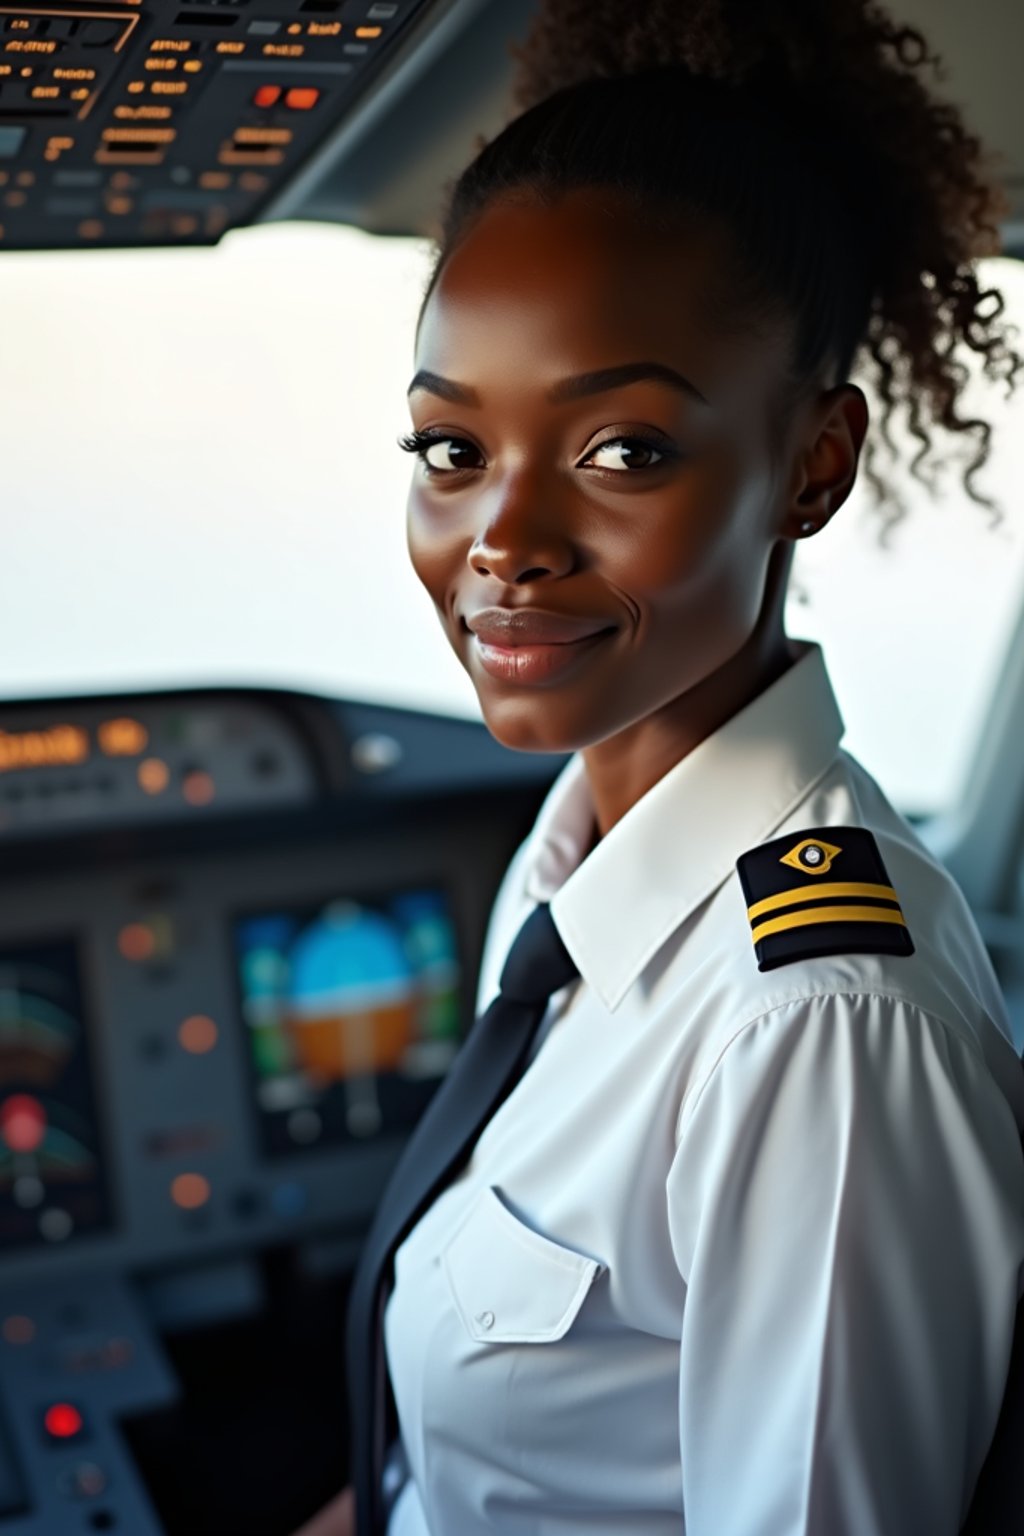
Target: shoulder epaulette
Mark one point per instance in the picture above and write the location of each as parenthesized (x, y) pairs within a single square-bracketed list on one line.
[(822, 891)]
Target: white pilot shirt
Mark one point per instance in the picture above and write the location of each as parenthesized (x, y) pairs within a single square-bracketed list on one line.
[(740, 1254)]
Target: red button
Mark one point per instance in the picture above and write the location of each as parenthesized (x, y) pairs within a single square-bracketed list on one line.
[(62, 1421), (301, 98), (267, 96)]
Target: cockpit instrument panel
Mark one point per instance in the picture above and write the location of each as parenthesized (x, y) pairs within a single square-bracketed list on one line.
[(168, 122), (239, 941)]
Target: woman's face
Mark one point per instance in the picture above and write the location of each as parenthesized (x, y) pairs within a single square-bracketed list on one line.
[(540, 504)]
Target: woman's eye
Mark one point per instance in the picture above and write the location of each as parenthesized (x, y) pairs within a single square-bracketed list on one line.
[(443, 448), (629, 447), (446, 454)]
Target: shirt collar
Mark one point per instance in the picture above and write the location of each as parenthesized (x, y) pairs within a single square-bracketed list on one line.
[(617, 905)]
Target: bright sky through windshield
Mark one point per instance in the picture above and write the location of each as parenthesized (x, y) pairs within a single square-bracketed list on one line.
[(194, 496)]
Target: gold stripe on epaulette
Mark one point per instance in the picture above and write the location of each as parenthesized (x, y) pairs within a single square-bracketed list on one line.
[(830, 888), (827, 915)]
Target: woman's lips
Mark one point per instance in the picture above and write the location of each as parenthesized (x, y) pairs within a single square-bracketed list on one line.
[(534, 663)]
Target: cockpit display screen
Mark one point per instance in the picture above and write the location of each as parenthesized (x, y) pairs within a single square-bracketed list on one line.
[(352, 1013), (52, 1169)]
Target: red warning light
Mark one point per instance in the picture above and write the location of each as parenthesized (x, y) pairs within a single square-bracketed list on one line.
[(301, 98), (267, 96), (62, 1421), (22, 1122)]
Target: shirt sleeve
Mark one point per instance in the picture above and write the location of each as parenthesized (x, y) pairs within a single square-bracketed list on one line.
[(846, 1208)]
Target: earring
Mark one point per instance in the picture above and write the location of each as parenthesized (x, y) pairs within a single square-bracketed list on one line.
[(807, 527)]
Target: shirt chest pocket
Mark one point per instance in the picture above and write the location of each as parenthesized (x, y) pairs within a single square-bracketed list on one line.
[(512, 1285)]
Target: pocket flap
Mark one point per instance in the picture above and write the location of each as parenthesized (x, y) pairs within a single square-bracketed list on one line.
[(509, 1283)]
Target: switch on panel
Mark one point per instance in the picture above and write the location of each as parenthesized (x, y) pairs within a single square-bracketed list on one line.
[(63, 1422), (301, 98), (11, 140)]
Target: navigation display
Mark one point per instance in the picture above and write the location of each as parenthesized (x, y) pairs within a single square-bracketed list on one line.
[(52, 1169), (352, 1013)]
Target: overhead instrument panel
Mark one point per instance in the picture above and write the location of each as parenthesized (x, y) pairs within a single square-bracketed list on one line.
[(170, 121)]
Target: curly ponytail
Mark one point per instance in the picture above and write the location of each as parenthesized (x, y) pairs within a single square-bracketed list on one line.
[(857, 201)]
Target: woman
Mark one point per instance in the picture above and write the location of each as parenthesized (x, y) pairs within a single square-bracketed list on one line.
[(739, 1253)]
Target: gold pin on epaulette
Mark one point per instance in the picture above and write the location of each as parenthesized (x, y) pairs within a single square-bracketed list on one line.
[(822, 891)]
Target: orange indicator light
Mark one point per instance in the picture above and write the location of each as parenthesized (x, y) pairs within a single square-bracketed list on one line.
[(301, 98), (197, 1034), (198, 788), (243, 155), (368, 31), (153, 774), (267, 96), (190, 1190), (136, 941), (141, 114), (139, 135), (56, 744), (259, 136), (122, 737)]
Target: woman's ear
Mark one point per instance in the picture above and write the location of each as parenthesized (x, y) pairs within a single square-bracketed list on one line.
[(826, 466)]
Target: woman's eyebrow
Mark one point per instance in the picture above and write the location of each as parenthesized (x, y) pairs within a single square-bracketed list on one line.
[(573, 388)]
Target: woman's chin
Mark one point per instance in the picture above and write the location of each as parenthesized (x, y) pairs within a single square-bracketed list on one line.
[(523, 725)]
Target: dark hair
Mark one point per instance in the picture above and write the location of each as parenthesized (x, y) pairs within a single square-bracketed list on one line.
[(857, 202)]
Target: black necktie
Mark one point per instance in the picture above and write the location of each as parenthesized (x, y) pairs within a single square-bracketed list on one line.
[(489, 1063)]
